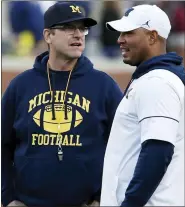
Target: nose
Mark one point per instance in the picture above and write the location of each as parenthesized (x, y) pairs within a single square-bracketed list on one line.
[(121, 39), (77, 33)]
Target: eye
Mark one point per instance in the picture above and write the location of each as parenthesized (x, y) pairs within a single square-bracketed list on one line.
[(129, 33)]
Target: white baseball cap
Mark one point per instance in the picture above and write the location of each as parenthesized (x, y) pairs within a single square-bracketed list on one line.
[(146, 16)]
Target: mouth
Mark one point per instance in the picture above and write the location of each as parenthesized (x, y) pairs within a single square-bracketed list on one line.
[(124, 50), (76, 44)]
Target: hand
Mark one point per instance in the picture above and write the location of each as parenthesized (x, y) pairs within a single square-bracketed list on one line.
[(94, 204), (16, 203)]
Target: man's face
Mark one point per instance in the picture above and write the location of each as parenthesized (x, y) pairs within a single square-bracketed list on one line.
[(68, 40), (134, 46)]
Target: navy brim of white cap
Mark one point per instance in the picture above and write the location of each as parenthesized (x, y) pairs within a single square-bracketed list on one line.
[(122, 25)]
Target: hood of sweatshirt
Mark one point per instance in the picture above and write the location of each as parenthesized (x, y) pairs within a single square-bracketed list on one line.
[(83, 66), (170, 61)]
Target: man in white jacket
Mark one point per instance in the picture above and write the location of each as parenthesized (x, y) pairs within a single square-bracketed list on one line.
[(144, 159)]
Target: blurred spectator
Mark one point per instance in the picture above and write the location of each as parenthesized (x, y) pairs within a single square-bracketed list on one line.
[(26, 23), (26, 20), (110, 11), (45, 5), (177, 37), (178, 20), (176, 13)]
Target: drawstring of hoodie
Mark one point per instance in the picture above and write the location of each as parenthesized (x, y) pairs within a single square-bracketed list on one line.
[(60, 152)]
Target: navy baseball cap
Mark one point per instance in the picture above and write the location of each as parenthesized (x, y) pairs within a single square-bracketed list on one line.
[(65, 12)]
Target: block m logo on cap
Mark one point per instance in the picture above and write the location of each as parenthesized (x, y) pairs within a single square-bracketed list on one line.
[(75, 9)]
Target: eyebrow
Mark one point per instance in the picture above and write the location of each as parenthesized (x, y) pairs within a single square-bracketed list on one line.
[(76, 24), (129, 32)]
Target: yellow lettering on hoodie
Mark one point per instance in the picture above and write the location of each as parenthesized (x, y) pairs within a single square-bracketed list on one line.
[(50, 139), (51, 92), (32, 103), (53, 136), (76, 101), (77, 141), (40, 99), (46, 139), (59, 139), (85, 104), (44, 101), (65, 142), (45, 98), (34, 138), (71, 141), (62, 97), (56, 96), (40, 139), (69, 99)]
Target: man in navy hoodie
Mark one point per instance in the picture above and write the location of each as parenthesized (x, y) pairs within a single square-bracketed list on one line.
[(144, 159), (56, 120)]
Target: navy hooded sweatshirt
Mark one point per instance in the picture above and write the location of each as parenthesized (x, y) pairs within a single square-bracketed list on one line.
[(31, 170)]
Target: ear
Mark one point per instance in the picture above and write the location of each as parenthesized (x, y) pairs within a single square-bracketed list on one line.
[(153, 36), (47, 34)]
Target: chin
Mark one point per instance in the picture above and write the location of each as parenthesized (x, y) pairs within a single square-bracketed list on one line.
[(76, 54), (129, 62)]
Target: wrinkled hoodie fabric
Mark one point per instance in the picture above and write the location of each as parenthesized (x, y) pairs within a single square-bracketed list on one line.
[(31, 114), (169, 61)]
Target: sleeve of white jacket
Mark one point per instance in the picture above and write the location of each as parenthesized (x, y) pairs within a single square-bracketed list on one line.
[(158, 106)]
